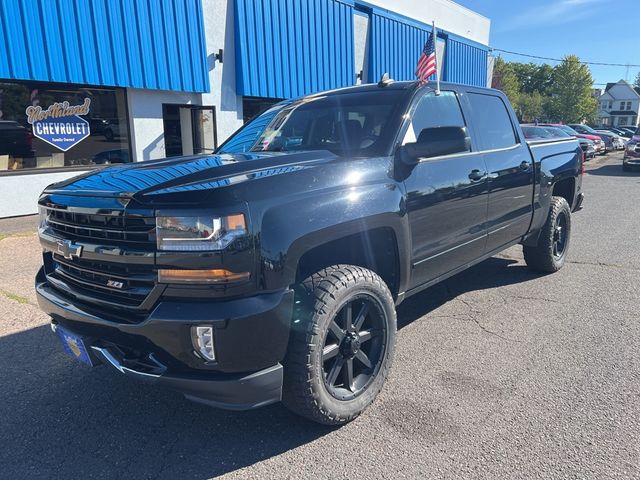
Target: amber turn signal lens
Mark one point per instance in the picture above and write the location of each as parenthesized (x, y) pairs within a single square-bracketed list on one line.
[(200, 276)]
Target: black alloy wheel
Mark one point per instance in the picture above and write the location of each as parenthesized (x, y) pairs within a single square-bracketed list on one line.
[(354, 348), (341, 344), (553, 243), (560, 235)]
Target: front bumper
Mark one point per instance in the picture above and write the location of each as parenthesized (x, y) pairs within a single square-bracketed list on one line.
[(631, 157), (250, 337)]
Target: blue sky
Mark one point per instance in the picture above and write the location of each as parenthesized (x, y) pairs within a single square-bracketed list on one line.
[(595, 30)]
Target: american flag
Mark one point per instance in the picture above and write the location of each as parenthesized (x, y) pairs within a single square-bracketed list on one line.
[(427, 61)]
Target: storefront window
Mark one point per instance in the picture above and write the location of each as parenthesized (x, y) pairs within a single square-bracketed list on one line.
[(47, 125)]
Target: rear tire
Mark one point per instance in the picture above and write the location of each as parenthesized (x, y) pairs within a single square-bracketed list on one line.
[(341, 344), (551, 251)]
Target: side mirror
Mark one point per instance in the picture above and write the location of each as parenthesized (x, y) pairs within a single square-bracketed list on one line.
[(434, 142)]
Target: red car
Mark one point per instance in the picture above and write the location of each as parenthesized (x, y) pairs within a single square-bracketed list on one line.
[(599, 144)]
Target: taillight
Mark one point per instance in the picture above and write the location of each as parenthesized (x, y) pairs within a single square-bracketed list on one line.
[(584, 156)]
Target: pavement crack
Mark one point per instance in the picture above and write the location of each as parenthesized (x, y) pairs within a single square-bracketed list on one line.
[(604, 264), (472, 313), (524, 297)]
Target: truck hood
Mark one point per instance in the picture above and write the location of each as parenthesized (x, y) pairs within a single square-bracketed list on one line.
[(144, 180)]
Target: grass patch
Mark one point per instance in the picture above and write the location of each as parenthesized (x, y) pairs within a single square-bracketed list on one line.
[(18, 234), (13, 296)]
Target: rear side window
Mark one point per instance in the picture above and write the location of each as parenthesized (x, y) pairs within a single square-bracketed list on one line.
[(492, 123), (435, 111)]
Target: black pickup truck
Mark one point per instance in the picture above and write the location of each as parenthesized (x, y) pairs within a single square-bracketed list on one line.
[(271, 270)]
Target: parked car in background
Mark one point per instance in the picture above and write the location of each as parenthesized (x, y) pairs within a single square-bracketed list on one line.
[(587, 146), (115, 129), (109, 157), (535, 132), (631, 156), (597, 140), (97, 125), (617, 141), (618, 131), (15, 140), (607, 138), (632, 130)]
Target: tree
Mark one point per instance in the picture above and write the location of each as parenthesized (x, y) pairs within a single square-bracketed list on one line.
[(571, 100), (505, 79), (531, 106), (533, 77), (636, 82)]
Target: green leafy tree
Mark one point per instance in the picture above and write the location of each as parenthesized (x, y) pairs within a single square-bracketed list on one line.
[(571, 100), (533, 77), (636, 82), (531, 107), (505, 79)]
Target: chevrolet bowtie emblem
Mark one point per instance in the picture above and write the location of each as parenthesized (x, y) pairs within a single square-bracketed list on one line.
[(68, 249)]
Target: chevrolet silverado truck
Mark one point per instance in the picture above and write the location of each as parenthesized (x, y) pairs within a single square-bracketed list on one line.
[(271, 270)]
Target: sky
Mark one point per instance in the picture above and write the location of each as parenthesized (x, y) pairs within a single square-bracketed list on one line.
[(595, 30)]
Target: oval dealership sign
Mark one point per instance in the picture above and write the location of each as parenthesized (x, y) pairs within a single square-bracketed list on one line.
[(60, 124)]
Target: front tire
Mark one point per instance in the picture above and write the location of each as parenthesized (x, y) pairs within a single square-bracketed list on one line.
[(341, 345), (551, 251)]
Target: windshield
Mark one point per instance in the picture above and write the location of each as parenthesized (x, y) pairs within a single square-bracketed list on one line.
[(535, 132), (588, 129), (361, 124), (568, 129), (557, 132)]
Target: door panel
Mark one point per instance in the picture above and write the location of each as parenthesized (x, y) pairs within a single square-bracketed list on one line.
[(509, 163), (446, 196), (447, 212), (510, 195)]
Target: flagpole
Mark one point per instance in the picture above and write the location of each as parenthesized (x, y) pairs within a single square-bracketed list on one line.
[(435, 49)]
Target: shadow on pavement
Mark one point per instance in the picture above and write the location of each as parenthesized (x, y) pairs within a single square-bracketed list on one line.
[(614, 170), (60, 419), (494, 272)]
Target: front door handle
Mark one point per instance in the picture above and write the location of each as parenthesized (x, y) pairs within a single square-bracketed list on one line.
[(525, 165), (477, 175)]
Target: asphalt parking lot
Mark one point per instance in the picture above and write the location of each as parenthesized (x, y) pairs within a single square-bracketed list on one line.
[(499, 373)]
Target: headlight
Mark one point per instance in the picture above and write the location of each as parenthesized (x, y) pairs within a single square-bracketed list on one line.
[(198, 233)]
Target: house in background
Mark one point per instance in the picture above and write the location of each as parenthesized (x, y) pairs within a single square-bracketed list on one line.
[(619, 104)]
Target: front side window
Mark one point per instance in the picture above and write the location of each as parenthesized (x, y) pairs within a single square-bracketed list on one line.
[(358, 124), (48, 125), (435, 111), (492, 122)]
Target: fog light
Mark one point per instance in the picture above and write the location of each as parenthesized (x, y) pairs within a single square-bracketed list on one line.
[(202, 338)]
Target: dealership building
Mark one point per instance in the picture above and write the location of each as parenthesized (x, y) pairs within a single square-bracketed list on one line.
[(88, 83)]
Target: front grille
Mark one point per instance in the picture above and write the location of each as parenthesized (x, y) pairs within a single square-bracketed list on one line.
[(116, 228), (121, 284)]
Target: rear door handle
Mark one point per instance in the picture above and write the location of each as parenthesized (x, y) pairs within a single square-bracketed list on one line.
[(525, 165), (477, 174)]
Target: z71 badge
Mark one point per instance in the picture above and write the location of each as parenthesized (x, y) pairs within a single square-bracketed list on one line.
[(115, 284)]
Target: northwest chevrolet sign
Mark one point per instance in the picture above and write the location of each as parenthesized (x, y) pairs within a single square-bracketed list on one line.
[(60, 124)]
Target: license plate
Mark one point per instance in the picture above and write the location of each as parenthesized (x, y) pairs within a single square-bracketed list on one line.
[(74, 346)]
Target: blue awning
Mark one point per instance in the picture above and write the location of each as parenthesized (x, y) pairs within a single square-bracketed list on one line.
[(289, 48)]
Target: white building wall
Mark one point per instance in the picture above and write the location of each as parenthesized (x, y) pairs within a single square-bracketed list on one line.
[(448, 15), (19, 193)]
